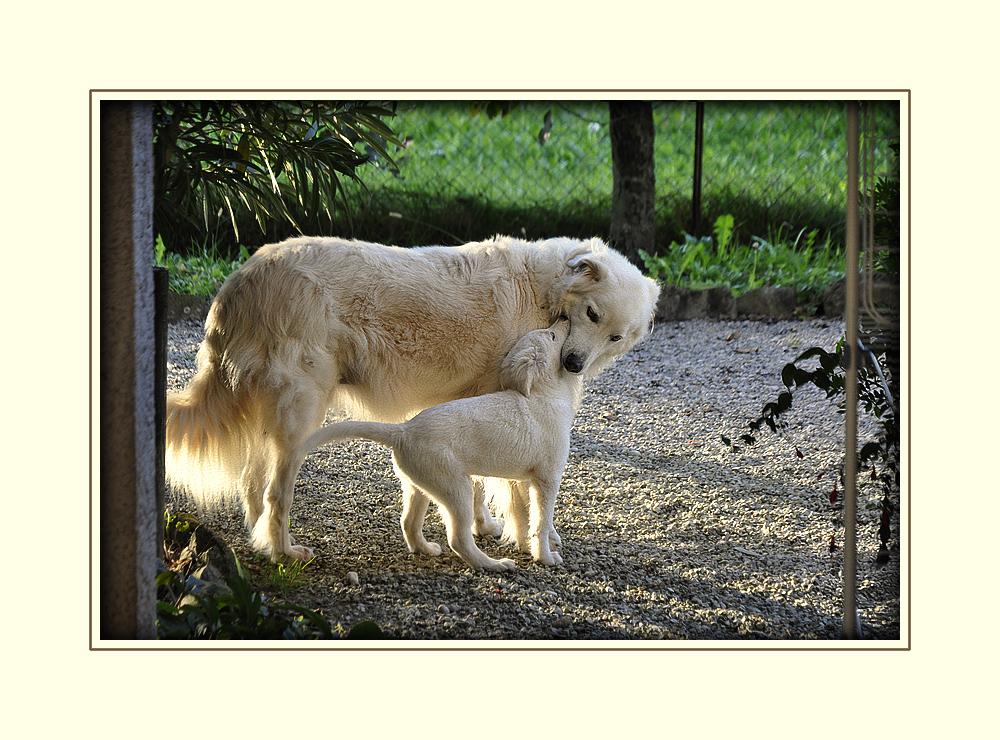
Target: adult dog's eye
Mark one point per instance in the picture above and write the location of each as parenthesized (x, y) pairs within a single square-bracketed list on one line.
[(616, 337), (592, 314)]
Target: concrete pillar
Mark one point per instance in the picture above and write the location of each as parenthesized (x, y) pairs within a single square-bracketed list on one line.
[(128, 515)]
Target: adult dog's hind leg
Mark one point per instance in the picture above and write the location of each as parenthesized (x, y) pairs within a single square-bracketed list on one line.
[(298, 412), (484, 525), (253, 482), (271, 534)]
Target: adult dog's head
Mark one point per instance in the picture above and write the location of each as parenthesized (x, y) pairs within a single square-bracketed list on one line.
[(534, 358), (609, 304)]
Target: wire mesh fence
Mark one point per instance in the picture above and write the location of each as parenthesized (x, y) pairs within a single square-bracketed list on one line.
[(544, 168)]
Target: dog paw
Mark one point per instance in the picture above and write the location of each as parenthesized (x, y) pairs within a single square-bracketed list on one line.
[(423, 547), (492, 528), (500, 565), (553, 558), (294, 553), (555, 541), (548, 558)]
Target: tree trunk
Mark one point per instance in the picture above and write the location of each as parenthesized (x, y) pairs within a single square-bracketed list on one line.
[(633, 206)]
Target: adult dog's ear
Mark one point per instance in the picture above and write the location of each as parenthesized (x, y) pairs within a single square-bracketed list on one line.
[(520, 369), (586, 269)]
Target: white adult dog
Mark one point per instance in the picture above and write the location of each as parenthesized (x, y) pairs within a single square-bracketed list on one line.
[(520, 433), (380, 333)]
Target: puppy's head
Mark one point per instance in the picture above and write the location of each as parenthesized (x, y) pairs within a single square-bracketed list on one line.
[(533, 358), (609, 304)]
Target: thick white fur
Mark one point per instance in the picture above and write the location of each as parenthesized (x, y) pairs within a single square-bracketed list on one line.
[(380, 333), (520, 434)]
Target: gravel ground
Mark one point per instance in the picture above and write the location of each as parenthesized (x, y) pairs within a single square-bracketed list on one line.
[(666, 533)]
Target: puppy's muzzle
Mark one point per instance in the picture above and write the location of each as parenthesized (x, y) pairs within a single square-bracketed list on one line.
[(573, 363)]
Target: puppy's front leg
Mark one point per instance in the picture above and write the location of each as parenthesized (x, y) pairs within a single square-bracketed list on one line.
[(541, 528)]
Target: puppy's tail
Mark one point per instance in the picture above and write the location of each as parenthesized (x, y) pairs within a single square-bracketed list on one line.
[(212, 439), (389, 435)]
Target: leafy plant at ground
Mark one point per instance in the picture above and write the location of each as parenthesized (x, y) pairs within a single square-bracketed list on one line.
[(709, 262), (880, 458), (282, 577), (260, 162), (189, 608)]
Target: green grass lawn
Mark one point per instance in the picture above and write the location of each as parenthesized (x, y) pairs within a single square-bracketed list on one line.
[(772, 165), (774, 175)]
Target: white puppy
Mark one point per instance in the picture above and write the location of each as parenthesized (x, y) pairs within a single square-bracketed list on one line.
[(521, 433)]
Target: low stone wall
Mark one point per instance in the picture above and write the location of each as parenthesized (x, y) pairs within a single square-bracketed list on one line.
[(684, 304)]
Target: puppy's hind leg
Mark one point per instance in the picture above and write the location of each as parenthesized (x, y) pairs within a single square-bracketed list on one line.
[(518, 512), (415, 503), (455, 495)]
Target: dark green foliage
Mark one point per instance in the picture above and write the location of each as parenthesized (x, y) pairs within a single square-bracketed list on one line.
[(786, 259), (366, 630), (880, 458), (213, 613), (231, 170)]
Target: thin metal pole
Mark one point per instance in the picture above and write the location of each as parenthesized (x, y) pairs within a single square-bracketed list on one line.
[(699, 134), (852, 625)]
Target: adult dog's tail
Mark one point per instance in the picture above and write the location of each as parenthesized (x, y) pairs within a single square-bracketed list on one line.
[(215, 447), (389, 435)]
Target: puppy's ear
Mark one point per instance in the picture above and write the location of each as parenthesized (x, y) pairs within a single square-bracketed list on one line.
[(521, 368), (586, 268)]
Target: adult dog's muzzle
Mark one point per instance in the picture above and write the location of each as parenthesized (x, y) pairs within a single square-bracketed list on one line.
[(573, 363)]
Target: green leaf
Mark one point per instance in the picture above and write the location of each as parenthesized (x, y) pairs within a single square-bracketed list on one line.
[(723, 230), (784, 402), (788, 373), (365, 630)]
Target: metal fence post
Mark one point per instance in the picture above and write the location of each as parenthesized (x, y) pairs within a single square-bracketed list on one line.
[(699, 148), (852, 627)]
